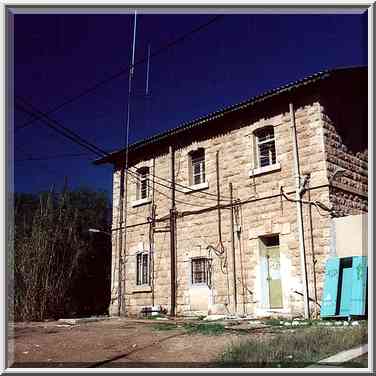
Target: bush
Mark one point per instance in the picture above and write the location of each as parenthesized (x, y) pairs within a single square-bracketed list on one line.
[(54, 254)]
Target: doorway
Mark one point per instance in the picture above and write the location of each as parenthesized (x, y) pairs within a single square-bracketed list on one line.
[(271, 279)]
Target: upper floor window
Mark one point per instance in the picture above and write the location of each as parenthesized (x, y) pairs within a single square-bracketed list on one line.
[(142, 268), (197, 166), (143, 183), (265, 146)]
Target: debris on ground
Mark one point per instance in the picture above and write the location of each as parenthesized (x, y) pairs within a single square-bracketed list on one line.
[(83, 320), (214, 317)]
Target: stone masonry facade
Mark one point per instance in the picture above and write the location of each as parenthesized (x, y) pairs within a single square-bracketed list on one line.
[(260, 211)]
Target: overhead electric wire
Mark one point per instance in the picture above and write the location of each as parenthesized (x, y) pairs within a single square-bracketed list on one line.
[(39, 115), (136, 177), (52, 123), (62, 133), (55, 125), (122, 71), (189, 189), (66, 132)]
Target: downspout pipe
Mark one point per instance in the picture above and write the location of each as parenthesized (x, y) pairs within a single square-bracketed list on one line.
[(299, 209)]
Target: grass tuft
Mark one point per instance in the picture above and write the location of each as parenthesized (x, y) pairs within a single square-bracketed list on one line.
[(272, 322), (162, 327), (206, 329), (295, 349)]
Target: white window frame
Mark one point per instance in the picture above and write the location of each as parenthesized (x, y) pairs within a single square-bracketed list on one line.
[(258, 143), (141, 279), (207, 272), (143, 178), (197, 158)]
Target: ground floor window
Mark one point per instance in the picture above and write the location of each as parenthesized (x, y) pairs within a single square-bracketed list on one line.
[(142, 271), (200, 271)]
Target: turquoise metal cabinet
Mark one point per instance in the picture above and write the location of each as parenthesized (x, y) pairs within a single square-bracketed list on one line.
[(345, 287), (329, 301), (359, 286)]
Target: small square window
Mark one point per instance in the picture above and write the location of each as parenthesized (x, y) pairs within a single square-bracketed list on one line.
[(265, 145), (142, 265), (200, 271)]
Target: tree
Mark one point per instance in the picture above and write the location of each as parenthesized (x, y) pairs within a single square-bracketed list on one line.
[(53, 252)]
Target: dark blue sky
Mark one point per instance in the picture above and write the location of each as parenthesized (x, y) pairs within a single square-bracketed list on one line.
[(58, 56)]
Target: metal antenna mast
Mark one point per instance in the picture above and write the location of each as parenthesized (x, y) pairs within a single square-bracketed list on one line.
[(123, 204)]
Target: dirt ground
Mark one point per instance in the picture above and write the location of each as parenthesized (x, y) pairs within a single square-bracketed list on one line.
[(114, 343)]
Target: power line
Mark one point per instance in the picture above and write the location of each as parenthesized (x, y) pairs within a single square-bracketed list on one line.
[(51, 123), (74, 137), (122, 71), (137, 178), (191, 190)]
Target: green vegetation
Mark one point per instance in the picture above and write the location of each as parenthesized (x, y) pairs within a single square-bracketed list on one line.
[(162, 327), (60, 269), (209, 329), (152, 317), (294, 348), (272, 321)]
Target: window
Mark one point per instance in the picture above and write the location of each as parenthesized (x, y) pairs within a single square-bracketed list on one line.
[(143, 183), (265, 144), (197, 166), (142, 271), (200, 272)]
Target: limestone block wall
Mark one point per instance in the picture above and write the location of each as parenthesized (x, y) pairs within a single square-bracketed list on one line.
[(349, 193), (262, 212)]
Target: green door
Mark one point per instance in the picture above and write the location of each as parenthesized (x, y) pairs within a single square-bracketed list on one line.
[(274, 277)]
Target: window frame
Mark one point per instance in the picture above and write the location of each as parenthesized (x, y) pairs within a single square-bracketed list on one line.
[(206, 282), (197, 158), (258, 143), (142, 270), (143, 174)]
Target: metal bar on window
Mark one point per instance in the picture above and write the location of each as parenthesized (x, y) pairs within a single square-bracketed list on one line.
[(138, 269), (144, 268)]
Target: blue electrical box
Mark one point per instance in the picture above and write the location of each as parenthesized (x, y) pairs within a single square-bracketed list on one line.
[(345, 287)]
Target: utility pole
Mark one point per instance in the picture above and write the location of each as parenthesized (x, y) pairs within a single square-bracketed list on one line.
[(312, 242), (223, 249), (218, 199), (151, 250), (299, 207), (173, 233), (233, 249), (120, 243)]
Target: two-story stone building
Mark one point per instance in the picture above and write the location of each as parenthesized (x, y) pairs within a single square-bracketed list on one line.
[(243, 255)]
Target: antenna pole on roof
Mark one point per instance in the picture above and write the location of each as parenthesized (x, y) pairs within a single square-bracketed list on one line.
[(123, 204), (147, 72)]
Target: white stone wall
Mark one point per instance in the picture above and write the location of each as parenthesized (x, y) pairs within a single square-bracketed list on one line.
[(262, 213)]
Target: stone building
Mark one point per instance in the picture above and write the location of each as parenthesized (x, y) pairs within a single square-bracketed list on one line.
[(242, 256)]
